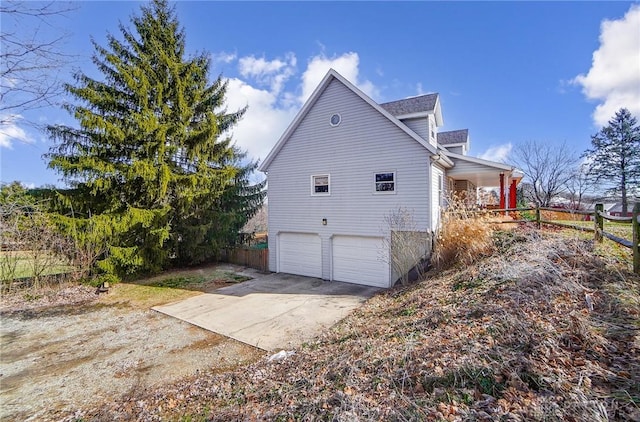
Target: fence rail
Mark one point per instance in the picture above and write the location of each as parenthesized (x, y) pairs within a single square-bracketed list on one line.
[(598, 227)]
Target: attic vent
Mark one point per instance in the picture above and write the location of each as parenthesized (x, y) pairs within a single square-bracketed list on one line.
[(335, 120)]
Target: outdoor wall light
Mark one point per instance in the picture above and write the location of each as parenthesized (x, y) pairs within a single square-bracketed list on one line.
[(324, 221)]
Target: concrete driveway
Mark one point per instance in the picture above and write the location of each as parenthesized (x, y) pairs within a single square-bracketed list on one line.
[(272, 312)]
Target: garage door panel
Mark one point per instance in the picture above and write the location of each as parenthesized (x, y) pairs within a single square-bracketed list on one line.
[(300, 253), (360, 260)]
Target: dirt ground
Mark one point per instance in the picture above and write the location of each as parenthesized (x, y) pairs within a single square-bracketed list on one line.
[(73, 350)]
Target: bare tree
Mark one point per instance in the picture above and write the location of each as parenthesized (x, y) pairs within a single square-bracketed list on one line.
[(31, 56), (31, 247), (547, 167), (579, 185)]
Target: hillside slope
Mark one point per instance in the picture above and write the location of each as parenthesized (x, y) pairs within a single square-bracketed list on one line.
[(543, 329)]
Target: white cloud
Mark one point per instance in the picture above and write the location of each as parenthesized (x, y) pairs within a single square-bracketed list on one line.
[(347, 65), (223, 57), (273, 102), (263, 123), (614, 77), (10, 131), (271, 72), (498, 153)]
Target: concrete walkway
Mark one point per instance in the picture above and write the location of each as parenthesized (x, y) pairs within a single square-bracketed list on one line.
[(272, 312)]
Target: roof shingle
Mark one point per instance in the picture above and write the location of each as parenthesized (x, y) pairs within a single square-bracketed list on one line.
[(422, 103), (453, 137)]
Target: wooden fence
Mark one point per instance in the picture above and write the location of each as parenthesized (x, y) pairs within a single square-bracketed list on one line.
[(598, 216), (248, 257)]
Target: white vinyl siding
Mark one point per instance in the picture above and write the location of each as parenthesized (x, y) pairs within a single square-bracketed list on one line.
[(419, 125), (300, 253), (364, 143), (360, 260), (433, 131), (459, 149)]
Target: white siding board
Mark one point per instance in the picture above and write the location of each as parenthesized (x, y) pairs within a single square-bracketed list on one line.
[(457, 150), (420, 126), (363, 143)]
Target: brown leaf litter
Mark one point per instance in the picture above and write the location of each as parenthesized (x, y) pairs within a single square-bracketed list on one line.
[(541, 330)]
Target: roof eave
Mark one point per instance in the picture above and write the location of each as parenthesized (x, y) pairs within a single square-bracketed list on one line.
[(457, 144), (414, 115), (488, 163)]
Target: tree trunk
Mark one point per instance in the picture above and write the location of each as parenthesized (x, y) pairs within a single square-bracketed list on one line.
[(624, 194)]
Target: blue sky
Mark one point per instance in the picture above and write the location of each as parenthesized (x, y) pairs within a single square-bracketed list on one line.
[(510, 72)]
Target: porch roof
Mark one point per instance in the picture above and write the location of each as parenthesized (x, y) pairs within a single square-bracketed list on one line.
[(482, 173)]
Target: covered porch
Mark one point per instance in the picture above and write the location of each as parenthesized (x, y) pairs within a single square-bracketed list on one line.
[(470, 174)]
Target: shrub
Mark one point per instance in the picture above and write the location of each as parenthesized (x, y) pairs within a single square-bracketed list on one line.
[(464, 236)]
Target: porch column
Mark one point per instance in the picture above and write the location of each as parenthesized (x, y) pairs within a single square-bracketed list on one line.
[(512, 194), (502, 204)]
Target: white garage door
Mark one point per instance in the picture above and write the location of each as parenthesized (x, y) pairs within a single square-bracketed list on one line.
[(360, 260), (300, 253)]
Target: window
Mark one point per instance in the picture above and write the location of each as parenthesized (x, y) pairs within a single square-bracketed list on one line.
[(385, 182), (320, 184), (335, 119)]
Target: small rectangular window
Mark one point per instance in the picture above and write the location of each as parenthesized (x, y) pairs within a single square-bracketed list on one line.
[(320, 184), (385, 182)]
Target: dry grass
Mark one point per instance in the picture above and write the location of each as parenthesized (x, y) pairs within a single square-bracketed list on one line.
[(541, 330), (562, 216), (463, 238), (174, 285)]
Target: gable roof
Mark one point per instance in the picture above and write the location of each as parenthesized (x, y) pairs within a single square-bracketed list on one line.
[(487, 163), (419, 106), (412, 105), (618, 207), (308, 105), (453, 137)]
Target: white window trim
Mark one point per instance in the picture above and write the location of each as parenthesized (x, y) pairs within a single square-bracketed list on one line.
[(313, 190), (386, 192)]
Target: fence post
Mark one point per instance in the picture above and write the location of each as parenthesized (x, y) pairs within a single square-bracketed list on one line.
[(538, 215), (598, 222), (636, 238)]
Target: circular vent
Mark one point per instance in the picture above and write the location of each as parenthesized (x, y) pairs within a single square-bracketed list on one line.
[(335, 119)]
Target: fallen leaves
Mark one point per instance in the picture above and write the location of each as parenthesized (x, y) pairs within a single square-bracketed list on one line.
[(511, 337)]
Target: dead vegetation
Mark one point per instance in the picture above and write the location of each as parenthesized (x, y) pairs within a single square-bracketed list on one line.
[(465, 235), (541, 330)]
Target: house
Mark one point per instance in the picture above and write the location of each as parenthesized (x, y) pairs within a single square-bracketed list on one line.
[(616, 210), (345, 163)]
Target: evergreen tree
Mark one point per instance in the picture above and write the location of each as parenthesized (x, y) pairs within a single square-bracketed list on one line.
[(150, 157), (615, 156)]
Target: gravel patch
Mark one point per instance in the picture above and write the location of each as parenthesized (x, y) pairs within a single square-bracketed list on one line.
[(64, 352)]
